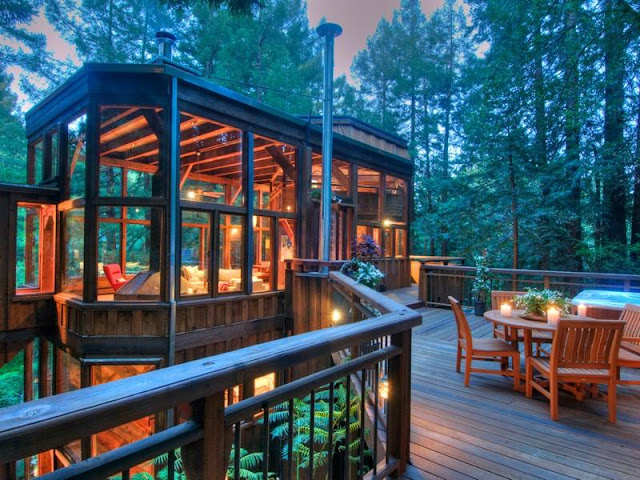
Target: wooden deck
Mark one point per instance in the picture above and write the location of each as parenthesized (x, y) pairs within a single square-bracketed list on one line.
[(488, 431)]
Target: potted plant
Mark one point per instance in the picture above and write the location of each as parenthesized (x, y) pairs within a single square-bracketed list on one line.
[(481, 290), (535, 303), (360, 268)]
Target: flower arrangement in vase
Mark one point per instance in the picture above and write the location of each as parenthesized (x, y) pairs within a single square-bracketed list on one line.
[(535, 303)]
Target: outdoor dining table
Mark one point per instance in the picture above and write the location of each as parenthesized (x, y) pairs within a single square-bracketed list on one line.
[(515, 322)]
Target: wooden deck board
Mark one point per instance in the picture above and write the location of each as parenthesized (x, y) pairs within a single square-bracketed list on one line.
[(489, 431)]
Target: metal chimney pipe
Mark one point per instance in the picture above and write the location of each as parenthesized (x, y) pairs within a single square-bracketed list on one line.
[(329, 31), (166, 41)]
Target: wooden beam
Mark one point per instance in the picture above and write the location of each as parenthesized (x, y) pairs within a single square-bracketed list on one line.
[(281, 160), (184, 176), (341, 178)]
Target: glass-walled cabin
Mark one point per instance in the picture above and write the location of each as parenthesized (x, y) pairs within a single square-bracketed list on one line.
[(171, 187)]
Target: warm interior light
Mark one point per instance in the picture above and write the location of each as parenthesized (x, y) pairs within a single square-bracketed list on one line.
[(255, 221), (191, 195), (335, 315), (234, 231), (386, 223), (288, 208)]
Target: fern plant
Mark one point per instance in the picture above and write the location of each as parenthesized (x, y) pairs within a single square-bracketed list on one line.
[(343, 418)]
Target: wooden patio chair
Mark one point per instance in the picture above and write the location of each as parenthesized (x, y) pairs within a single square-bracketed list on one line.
[(629, 353), (484, 349), (500, 297), (582, 352)]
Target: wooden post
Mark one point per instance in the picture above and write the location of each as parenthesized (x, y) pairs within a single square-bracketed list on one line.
[(547, 282), (208, 458), (86, 444), (45, 459), (399, 404)]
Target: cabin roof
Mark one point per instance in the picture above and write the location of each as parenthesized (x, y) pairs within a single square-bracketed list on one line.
[(69, 87)]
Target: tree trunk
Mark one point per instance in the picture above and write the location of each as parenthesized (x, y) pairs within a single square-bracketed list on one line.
[(613, 174), (514, 208), (444, 243), (572, 135), (635, 216)]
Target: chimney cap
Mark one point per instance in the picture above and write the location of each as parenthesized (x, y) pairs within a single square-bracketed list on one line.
[(329, 29), (163, 34)]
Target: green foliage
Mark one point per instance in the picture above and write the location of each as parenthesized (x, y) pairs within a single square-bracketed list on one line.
[(537, 302), (12, 382), (481, 289), (344, 417)]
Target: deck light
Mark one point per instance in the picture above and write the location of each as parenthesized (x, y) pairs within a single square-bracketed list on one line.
[(336, 315), (383, 389)]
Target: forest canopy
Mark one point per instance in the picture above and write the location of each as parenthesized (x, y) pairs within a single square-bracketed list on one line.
[(522, 117)]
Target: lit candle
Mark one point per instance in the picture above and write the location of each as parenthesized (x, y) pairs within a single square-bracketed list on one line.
[(505, 310), (582, 310), (553, 315)]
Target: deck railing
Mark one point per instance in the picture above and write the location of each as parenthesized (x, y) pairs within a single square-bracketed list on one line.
[(437, 282), (206, 440)]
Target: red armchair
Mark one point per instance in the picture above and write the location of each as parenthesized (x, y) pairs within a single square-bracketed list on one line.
[(114, 275)]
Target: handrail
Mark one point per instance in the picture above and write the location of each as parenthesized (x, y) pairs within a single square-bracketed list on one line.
[(76, 414), (381, 302), (547, 273)]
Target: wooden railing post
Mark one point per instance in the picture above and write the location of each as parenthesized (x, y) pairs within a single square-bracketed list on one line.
[(208, 459), (399, 404)]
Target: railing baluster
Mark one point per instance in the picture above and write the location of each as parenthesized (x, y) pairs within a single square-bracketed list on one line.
[(236, 450), (376, 383), (171, 467), (330, 428), (265, 443), (347, 464), (290, 446), (363, 390), (125, 474), (312, 424)]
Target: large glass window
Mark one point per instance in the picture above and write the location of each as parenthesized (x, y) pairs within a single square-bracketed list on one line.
[(211, 161), (395, 197), (76, 156), (129, 240), (35, 248), (230, 253), (131, 140), (368, 195), (36, 160), (286, 246), (73, 243), (195, 253), (262, 274), (274, 173), (55, 154), (401, 242)]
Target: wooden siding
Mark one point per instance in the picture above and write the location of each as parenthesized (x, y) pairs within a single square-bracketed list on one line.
[(207, 327)]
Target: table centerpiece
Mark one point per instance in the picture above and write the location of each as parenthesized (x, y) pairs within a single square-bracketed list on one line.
[(536, 303)]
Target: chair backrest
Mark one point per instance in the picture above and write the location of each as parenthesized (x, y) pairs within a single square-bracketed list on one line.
[(631, 317), (464, 331), (113, 273), (500, 297), (586, 344)]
